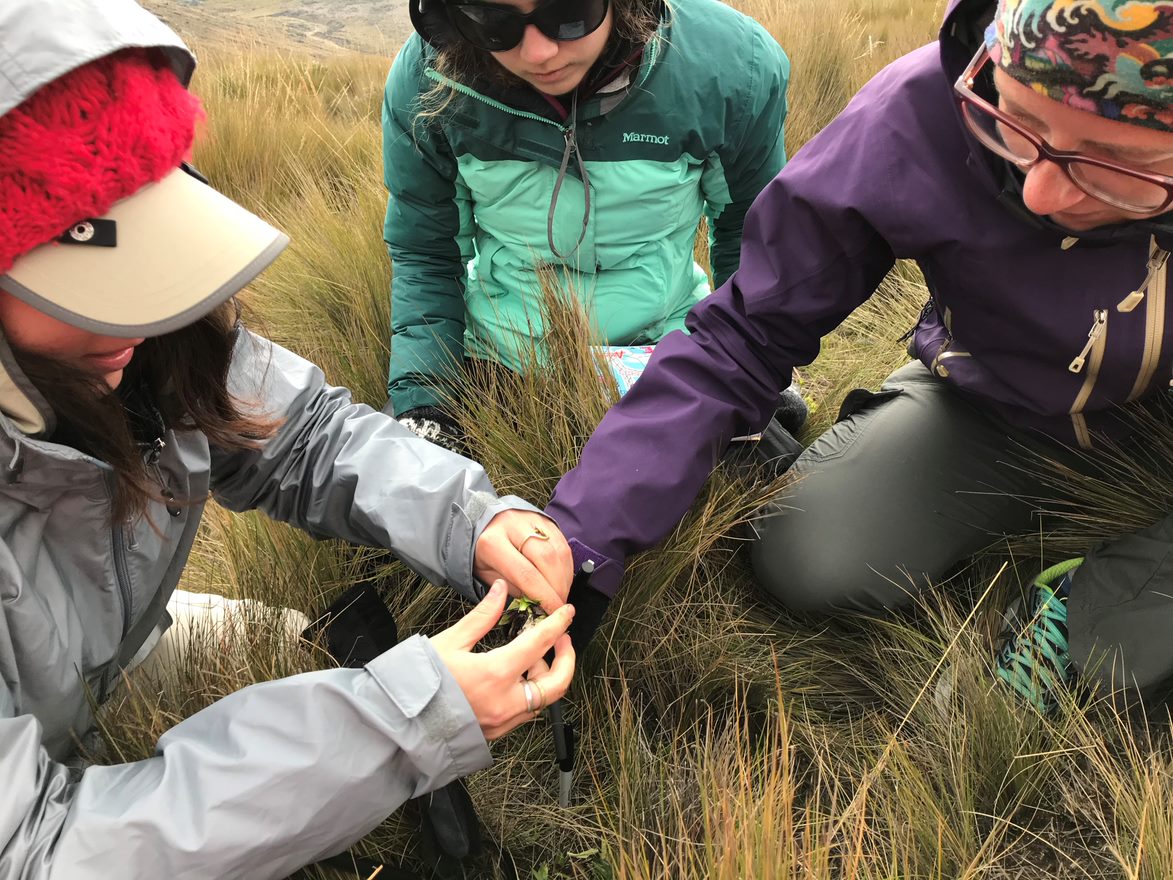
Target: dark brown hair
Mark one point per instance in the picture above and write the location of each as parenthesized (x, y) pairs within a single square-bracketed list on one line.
[(633, 22), (185, 376)]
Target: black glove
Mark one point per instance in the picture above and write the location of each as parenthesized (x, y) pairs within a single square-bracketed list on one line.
[(589, 607), (434, 425)]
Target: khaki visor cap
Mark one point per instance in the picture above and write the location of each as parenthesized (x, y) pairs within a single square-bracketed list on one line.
[(182, 249)]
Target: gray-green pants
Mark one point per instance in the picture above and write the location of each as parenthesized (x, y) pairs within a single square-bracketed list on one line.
[(912, 480)]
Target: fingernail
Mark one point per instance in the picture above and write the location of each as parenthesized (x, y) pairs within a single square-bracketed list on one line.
[(496, 588)]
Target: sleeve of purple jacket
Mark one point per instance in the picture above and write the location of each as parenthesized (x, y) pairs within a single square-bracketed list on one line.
[(812, 251)]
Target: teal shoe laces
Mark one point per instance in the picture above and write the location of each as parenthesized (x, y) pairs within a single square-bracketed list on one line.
[(1034, 660)]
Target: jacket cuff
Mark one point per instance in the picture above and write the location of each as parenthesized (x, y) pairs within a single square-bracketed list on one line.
[(420, 686), (608, 572), (404, 395), (490, 506)]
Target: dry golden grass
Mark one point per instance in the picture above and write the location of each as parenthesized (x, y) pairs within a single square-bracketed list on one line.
[(722, 739)]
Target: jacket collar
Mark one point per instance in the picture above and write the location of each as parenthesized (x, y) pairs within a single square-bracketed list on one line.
[(20, 403)]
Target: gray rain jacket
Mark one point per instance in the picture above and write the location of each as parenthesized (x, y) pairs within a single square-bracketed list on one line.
[(279, 774)]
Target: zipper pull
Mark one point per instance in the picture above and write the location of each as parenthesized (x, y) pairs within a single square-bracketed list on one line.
[(1131, 301), (1156, 261), (156, 451), (152, 459), (1093, 335)]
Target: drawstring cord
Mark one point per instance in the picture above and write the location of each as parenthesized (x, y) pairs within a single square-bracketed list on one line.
[(571, 147), (16, 465)]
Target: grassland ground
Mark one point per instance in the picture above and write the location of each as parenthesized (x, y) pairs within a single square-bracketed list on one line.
[(722, 737)]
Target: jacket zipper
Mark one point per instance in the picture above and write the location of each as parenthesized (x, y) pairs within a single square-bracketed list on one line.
[(1091, 355), (1099, 327), (122, 574), (939, 366), (925, 311), (947, 351), (651, 55), (124, 540), (568, 136), (1154, 288), (152, 459), (435, 75)]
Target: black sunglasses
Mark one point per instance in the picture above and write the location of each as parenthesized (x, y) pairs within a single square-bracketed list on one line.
[(498, 28)]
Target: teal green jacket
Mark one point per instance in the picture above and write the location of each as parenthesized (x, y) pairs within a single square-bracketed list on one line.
[(696, 128)]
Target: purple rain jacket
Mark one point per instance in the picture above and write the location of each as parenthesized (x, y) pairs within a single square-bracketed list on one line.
[(1046, 329)]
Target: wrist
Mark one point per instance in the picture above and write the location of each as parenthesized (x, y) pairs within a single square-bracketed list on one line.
[(425, 692), (608, 572)]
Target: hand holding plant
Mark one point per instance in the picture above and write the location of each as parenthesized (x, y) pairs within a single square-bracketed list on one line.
[(492, 681), (529, 552)]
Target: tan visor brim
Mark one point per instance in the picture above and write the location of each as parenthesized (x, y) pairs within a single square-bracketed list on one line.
[(183, 249)]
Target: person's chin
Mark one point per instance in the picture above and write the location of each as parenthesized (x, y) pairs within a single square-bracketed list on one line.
[(114, 379), (562, 83), (1081, 222)]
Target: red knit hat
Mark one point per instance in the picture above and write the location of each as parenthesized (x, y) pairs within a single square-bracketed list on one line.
[(86, 141), (94, 158)]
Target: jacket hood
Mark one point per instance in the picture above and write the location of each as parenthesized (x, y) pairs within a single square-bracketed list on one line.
[(962, 32), (21, 403), (430, 21), (38, 49)]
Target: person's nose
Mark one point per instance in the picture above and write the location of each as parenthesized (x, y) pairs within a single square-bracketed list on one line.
[(536, 47), (1048, 190)]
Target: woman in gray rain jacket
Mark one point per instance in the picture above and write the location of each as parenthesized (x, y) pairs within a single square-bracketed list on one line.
[(127, 394)]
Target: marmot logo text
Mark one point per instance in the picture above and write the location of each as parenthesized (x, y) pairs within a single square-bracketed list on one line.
[(634, 137)]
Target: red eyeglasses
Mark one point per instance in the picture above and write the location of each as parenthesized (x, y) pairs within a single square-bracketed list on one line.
[(1117, 185)]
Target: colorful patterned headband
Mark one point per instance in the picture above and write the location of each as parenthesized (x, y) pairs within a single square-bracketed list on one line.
[(1113, 58)]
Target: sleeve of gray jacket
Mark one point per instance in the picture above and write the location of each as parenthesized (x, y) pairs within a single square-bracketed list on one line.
[(339, 469), (266, 780)]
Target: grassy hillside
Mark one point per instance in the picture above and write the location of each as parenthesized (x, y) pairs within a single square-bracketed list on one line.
[(317, 25), (722, 737)]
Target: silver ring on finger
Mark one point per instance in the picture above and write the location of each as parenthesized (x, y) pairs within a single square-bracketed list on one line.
[(541, 697), (528, 689)]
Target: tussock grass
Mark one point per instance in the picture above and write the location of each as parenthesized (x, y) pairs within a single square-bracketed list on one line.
[(722, 737), (833, 51)]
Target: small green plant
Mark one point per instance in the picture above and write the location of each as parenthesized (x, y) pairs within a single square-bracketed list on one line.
[(520, 614)]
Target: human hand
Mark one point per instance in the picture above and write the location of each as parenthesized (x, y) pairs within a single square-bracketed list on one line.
[(529, 553), (492, 681)]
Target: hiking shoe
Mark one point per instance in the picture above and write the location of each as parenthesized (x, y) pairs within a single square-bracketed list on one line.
[(1033, 660)]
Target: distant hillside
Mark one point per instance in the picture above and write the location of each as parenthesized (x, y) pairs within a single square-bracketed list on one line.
[(377, 26)]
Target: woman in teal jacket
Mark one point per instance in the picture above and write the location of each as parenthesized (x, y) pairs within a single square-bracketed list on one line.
[(588, 136)]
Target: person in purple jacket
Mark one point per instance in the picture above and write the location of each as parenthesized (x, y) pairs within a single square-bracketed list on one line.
[(1025, 162)]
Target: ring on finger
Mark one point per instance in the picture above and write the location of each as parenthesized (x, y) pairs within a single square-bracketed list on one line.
[(541, 696), (528, 690), (536, 533)]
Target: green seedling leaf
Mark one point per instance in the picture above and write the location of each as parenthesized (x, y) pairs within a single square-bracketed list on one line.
[(520, 615)]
